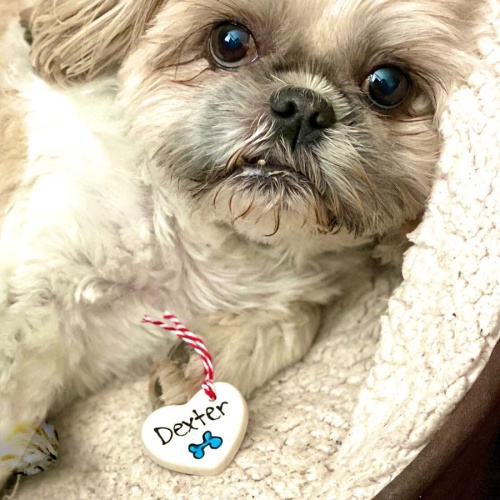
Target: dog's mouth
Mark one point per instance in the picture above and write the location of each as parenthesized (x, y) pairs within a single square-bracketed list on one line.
[(265, 170)]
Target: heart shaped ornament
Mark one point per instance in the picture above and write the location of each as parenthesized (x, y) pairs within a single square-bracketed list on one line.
[(201, 437)]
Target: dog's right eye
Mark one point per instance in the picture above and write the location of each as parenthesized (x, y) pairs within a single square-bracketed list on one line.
[(232, 45)]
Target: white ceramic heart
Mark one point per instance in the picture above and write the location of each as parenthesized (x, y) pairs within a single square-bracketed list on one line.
[(201, 437)]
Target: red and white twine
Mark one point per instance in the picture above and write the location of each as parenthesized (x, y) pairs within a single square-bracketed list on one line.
[(195, 342)]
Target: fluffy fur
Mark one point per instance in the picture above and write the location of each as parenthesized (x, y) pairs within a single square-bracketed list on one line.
[(131, 198)]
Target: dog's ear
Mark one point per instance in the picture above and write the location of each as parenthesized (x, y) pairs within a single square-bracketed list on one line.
[(77, 40)]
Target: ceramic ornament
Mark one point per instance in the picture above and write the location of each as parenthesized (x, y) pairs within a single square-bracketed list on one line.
[(201, 437)]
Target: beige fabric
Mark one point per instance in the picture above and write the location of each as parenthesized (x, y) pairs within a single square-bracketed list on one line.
[(349, 418)]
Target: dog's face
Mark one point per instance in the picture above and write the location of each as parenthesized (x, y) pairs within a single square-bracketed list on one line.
[(281, 116)]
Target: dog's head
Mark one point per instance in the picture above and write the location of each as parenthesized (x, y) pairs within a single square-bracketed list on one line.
[(276, 116)]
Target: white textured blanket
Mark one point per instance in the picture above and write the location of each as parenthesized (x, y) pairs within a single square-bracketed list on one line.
[(366, 400)]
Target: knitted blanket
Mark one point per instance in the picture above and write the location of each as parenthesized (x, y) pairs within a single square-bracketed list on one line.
[(373, 395)]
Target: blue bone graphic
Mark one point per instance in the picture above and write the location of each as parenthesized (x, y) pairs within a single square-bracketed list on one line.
[(198, 450)]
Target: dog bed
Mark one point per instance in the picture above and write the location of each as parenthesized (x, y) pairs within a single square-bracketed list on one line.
[(379, 406)]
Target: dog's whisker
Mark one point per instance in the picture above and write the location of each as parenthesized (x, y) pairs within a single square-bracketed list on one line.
[(217, 195), (244, 213), (277, 223), (230, 203)]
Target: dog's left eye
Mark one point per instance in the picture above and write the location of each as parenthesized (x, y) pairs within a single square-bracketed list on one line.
[(387, 87), (232, 45)]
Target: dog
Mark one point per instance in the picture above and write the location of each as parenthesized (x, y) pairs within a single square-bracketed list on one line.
[(234, 162)]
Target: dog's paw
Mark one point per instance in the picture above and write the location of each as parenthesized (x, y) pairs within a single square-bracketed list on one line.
[(175, 380)]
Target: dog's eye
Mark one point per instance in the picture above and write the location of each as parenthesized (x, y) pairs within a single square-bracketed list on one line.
[(232, 45), (387, 87)]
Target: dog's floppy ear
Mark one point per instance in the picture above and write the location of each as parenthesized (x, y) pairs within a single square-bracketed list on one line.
[(77, 40)]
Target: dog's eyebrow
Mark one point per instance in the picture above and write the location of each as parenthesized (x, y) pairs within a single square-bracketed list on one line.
[(228, 9), (253, 14)]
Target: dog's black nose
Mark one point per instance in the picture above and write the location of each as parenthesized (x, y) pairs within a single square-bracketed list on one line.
[(301, 114)]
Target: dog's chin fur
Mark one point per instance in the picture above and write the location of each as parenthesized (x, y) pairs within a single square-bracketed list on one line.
[(161, 182)]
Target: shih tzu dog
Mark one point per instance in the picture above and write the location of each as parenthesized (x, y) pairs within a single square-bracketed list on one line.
[(235, 162)]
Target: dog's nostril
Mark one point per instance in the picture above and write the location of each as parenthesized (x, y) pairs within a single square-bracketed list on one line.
[(324, 118), (283, 108)]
